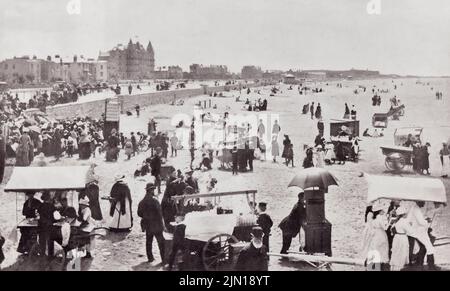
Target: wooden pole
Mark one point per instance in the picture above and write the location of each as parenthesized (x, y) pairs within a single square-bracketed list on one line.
[(320, 258), (217, 194)]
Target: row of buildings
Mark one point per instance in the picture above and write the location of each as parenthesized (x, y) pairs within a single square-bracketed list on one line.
[(253, 72), (136, 62), (22, 70)]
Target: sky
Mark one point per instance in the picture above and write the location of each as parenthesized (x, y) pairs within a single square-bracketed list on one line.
[(406, 37)]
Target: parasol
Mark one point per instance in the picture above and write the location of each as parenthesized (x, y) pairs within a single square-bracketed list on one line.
[(313, 177)]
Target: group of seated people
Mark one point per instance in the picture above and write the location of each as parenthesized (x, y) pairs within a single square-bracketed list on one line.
[(256, 106)]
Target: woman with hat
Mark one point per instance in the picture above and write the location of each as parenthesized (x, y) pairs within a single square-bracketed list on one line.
[(275, 148), (120, 209), (23, 158), (87, 224), (378, 250), (57, 141), (84, 145), (400, 244), (129, 148), (319, 156), (444, 157), (286, 146), (425, 161)]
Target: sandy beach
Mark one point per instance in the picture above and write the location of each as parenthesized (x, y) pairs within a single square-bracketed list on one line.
[(345, 204)]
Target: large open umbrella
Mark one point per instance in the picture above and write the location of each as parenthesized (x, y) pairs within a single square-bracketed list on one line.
[(313, 177)]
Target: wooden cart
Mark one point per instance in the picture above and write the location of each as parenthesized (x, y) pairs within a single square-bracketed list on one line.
[(214, 237), (399, 156)]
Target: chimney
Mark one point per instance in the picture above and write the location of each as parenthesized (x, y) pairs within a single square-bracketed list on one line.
[(49, 58), (75, 58)]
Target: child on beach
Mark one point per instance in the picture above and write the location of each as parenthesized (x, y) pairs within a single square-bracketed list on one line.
[(290, 155), (234, 158), (70, 146), (178, 238)]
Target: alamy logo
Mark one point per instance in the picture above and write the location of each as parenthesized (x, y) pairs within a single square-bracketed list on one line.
[(374, 7), (74, 7), (234, 130)]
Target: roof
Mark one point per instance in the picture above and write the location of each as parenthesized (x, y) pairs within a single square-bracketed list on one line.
[(47, 178), (405, 188), (404, 131)]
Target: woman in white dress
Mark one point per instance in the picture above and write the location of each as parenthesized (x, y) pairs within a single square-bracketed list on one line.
[(367, 235), (330, 155), (275, 148), (87, 223), (400, 244), (378, 251), (319, 157)]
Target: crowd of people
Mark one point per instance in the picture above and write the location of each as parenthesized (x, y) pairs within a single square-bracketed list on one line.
[(54, 139), (392, 235), (60, 94)]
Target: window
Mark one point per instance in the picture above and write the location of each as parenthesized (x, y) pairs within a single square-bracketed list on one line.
[(6, 66), (14, 67), (101, 74), (101, 67)]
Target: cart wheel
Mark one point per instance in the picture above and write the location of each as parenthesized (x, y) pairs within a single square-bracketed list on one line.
[(389, 163), (395, 162), (217, 253)]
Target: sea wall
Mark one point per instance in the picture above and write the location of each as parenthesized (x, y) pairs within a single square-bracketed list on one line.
[(95, 109)]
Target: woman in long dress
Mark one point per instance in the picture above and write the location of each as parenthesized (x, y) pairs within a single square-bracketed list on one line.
[(330, 155), (367, 235), (275, 148), (286, 146), (400, 244), (319, 157), (120, 210), (23, 158), (378, 251), (444, 157)]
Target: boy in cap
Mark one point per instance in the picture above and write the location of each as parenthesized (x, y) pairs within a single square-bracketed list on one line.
[(254, 256), (178, 238), (265, 222)]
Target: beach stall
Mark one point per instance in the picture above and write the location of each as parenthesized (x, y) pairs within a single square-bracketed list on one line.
[(218, 226), (54, 180), (398, 156)]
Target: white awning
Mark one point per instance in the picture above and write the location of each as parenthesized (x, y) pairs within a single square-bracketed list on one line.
[(47, 178), (401, 188)]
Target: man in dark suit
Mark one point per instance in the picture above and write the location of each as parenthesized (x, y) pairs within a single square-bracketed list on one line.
[(29, 210), (45, 224), (265, 222), (149, 210), (254, 256), (291, 224)]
